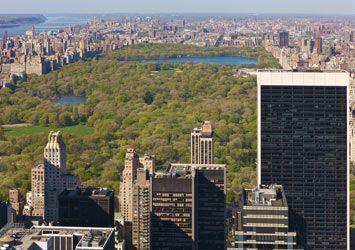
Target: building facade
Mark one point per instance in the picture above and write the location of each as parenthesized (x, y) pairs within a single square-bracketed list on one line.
[(59, 238), (87, 207), (37, 189), (133, 163), (188, 207), (202, 144), (48, 180), (284, 39), (261, 220), (15, 201), (303, 145), (129, 176), (141, 211)]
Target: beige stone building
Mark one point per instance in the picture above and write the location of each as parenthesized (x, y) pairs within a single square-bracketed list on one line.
[(202, 144), (133, 163), (141, 211), (50, 179), (129, 176), (37, 190)]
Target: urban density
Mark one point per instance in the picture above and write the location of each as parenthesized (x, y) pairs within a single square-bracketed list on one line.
[(303, 132)]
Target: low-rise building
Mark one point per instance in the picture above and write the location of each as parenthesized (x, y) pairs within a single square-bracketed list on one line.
[(262, 221), (17, 237)]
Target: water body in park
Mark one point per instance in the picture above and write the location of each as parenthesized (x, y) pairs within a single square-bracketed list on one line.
[(227, 60), (71, 100)]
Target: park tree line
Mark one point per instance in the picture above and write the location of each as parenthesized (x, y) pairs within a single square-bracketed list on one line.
[(151, 106)]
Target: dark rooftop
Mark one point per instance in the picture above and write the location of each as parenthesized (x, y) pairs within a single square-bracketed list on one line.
[(87, 191)]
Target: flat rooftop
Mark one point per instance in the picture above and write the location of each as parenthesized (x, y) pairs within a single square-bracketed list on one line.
[(86, 191), (23, 238), (265, 195), (179, 167), (185, 170), (303, 78)]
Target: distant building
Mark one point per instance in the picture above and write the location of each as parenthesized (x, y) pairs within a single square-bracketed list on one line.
[(50, 179), (188, 207), (15, 201), (318, 45), (28, 208), (261, 220), (283, 39), (86, 207), (202, 144), (15, 236), (351, 36)]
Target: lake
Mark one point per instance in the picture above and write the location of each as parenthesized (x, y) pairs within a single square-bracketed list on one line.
[(227, 60), (71, 100)]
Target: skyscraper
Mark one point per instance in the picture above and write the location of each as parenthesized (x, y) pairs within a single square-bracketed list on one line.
[(318, 45), (283, 39), (188, 207), (133, 163), (303, 145), (50, 179), (202, 144), (351, 36), (129, 176)]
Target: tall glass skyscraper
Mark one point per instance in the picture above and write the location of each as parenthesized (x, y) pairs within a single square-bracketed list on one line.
[(303, 145)]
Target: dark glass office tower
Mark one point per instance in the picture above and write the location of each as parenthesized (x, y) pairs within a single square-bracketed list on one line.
[(210, 205), (303, 146), (188, 208)]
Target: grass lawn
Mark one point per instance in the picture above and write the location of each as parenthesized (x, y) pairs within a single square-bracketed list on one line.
[(77, 130), (166, 72)]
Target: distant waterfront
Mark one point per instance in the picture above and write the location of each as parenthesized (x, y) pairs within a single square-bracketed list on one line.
[(54, 22), (226, 60)]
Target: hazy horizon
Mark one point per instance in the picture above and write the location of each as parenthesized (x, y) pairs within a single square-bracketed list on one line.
[(313, 7)]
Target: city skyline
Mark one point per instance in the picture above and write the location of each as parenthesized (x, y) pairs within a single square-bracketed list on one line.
[(181, 131), (183, 6)]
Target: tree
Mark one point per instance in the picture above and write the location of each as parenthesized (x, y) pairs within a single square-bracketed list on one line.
[(106, 129)]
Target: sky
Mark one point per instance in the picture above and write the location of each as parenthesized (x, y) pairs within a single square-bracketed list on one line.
[(178, 6)]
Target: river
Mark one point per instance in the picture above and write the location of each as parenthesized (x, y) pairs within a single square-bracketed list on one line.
[(54, 22)]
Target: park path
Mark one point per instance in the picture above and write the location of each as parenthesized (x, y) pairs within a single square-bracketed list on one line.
[(17, 125)]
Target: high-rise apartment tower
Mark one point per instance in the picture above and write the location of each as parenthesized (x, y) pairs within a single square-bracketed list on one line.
[(202, 144), (50, 179)]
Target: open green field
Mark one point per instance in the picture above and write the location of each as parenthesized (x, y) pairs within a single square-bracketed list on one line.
[(77, 130)]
